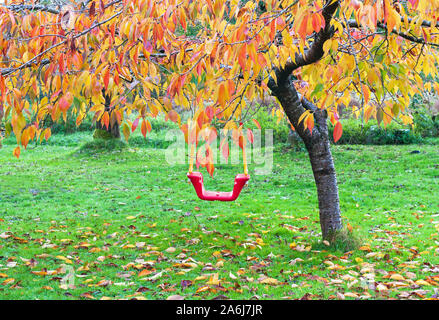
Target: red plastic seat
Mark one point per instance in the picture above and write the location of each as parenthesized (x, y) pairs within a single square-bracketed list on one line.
[(197, 181)]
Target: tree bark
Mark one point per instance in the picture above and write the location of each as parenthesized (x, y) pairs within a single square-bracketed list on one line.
[(318, 147), (113, 127)]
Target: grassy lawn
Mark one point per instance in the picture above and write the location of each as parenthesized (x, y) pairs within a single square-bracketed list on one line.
[(129, 226)]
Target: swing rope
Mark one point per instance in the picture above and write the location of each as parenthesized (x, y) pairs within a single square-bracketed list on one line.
[(191, 156)]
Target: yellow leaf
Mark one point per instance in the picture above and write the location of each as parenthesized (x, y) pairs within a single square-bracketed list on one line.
[(213, 280), (66, 260), (202, 289), (397, 277), (8, 281), (144, 272), (269, 281), (422, 283)]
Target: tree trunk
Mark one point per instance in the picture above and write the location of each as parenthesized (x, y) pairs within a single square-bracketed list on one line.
[(113, 130), (326, 181), (319, 153)]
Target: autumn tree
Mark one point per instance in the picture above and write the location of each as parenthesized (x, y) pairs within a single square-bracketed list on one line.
[(119, 58)]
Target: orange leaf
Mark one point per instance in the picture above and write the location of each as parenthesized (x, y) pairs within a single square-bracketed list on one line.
[(222, 95), (242, 57), (210, 168), (143, 128), (302, 28), (25, 138), (174, 116), (316, 23), (310, 122), (184, 129), (257, 124), (106, 119), (47, 133), (366, 93), (242, 142), (17, 152), (106, 77)]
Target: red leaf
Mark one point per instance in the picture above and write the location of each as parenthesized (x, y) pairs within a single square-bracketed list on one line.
[(250, 135), (148, 46), (338, 131), (209, 112), (64, 104), (316, 23), (92, 10), (225, 149), (61, 63), (106, 77), (134, 125), (424, 35), (212, 135), (414, 3)]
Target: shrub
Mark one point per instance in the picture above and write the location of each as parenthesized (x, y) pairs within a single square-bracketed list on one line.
[(371, 133), (426, 125), (69, 126), (102, 134), (148, 142)]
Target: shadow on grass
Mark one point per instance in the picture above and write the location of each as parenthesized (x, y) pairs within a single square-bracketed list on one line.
[(342, 240), (99, 146)]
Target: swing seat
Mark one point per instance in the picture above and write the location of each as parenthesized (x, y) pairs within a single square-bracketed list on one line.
[(197, 181)]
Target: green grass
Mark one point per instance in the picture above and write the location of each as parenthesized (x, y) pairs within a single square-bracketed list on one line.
[(112, 215)]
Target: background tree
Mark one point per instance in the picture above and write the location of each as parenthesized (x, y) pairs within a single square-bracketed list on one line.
[(136, 57)]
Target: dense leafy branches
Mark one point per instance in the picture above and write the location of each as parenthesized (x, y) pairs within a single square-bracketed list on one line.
[(140, 53)]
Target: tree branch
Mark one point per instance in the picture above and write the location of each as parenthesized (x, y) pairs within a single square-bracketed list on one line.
[(315, 51), (36, 7)]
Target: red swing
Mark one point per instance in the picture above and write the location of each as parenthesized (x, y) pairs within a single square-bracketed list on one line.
[(197, 181)]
